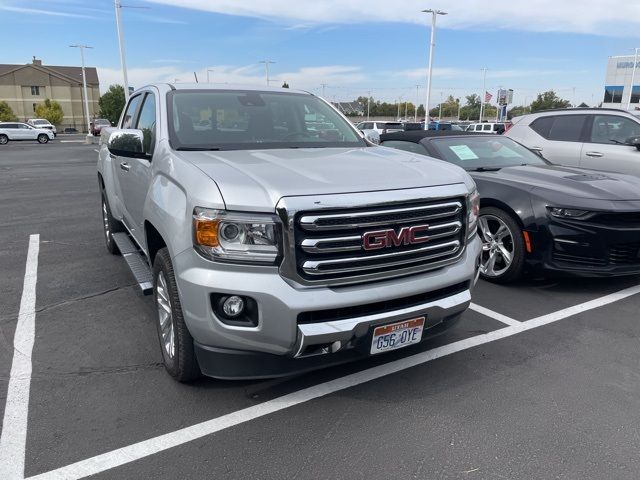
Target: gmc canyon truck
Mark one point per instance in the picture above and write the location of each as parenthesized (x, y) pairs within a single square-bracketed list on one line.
[(274, 238)]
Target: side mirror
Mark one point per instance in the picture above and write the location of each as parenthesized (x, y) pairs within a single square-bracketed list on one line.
[(635, 141), (127, 143)]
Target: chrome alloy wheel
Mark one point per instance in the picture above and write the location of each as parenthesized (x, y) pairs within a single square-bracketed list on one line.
[(105, 221), (497, 246), (165, 316)]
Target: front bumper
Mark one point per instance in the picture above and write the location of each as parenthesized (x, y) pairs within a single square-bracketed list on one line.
[(279, 333)]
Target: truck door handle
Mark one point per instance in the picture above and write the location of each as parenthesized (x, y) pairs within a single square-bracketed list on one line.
[(594, 154), (125, 166)]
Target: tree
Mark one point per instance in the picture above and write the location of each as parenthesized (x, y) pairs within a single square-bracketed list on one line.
[(6, 114), (285, 85), (517, 111), (112, 103), (548, 100), (449, 108), (50, 110)]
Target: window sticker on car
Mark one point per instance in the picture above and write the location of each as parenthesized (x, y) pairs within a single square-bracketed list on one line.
[(463, 152)]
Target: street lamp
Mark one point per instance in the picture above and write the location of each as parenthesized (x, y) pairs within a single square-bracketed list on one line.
[(121, 46), (483, 94), (433, 13), (84, 87), (633, 77), (266, 68)]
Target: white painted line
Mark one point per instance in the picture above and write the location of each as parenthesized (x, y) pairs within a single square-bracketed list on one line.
[(71, 141), (13, 439), (131, 453), (495, 315), (96, 150)]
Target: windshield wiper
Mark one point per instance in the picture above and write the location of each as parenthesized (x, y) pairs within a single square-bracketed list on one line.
[(485, 169), (198, 149)]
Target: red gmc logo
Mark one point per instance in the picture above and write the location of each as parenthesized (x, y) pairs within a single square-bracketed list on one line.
[(389, 238)]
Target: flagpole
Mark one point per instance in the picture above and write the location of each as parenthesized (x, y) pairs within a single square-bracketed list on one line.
[(484, 92)]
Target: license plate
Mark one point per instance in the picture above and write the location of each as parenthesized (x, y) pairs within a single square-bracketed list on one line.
[(397, 335)]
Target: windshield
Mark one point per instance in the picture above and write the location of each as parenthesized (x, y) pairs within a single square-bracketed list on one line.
[(474, 152), (40, 122), (237, 120)]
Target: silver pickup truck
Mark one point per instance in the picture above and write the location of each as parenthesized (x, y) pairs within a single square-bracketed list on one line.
[(274, 238)]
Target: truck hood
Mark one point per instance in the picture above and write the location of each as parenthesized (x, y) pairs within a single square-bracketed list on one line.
[(256, 180)]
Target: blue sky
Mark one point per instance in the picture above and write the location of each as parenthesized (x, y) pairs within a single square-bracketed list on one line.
[(353, 46)]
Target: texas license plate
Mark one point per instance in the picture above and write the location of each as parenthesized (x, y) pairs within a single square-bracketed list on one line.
[(397, 335)]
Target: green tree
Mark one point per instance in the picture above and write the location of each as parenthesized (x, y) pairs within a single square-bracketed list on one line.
[(548, 100), (6, 114), (285, 85), (517, 111), (449, 108), (112, 103), (50, 110)]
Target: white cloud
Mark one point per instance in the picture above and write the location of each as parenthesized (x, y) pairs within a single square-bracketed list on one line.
[(576, 16), (306, 78), (38, 11)]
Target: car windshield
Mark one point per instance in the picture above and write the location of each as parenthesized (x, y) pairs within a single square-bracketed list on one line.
[(479, 152), (40, 122), (392, 125), (239, 120)]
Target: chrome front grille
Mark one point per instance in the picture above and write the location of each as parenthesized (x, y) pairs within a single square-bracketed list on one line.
[(324, 240)]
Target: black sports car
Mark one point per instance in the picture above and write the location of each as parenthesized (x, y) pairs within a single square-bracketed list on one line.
[(534, 214)]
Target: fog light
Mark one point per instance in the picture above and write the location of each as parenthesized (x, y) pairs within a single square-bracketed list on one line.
[(233, 306)]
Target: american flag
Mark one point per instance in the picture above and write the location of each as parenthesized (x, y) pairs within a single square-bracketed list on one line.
[(487, 97)]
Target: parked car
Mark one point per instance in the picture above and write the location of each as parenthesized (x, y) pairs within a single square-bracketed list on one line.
[(599, 138), (23, 131), (408, 126), (380, 127), (537, 215), (438, 125), (487, 127), (279, 250), (98, 124), (43, 123)]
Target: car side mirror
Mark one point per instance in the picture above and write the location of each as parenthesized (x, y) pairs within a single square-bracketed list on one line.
[(635, 141), (127, 143)]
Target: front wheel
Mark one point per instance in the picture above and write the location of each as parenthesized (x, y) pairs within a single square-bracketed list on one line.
[(176, 343), (4, 139), (43, 138), (502, 258)]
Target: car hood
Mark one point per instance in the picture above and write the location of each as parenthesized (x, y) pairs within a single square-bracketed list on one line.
[(257, 179), (574, 182)]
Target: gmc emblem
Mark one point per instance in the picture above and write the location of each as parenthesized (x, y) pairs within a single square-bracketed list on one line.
[(389, 238)]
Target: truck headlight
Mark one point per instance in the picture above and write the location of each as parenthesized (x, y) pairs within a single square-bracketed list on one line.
[(235, 236), (473, 211)]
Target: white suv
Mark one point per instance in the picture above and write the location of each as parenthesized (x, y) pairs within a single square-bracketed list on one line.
[(43, 123), (598, 138)]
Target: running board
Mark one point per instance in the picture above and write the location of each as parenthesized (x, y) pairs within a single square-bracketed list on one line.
[(136, 262)]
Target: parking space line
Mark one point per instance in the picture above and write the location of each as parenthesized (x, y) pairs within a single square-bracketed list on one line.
[(495, 315), (13, 439), (145, 448)]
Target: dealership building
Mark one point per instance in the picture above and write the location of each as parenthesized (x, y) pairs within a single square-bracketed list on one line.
[(618, 88)]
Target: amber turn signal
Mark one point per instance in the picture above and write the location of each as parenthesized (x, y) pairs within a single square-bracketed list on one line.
[(206, 232)]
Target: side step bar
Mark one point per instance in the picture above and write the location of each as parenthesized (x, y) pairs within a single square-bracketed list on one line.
[(136, 261)]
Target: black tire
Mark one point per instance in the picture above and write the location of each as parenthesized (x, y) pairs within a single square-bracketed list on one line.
[(4, 139), (110, 226), (515, 243), (43, 138), (183, 364)]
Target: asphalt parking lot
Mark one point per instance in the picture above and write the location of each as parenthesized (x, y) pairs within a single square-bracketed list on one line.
[(541, 379)]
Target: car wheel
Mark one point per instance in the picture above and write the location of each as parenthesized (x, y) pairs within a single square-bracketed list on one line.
[(43, 138), (502, 258), (110, 226), (4, 139), (176, 343)]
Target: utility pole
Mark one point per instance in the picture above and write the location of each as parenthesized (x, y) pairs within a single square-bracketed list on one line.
[(266, 68), (84, 88), (484, 92), (123, 62), (633, 77), (432, 44), (208, 70), (415, 110), (323, 87)]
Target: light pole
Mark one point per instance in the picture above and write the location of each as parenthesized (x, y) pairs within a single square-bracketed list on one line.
[(440, 110), (208, 70), (123, 62), (399, 101), (368, 101), (266, 68), (432, 45), (633, 77), (84, 87), (484, 92), (415, 110)]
